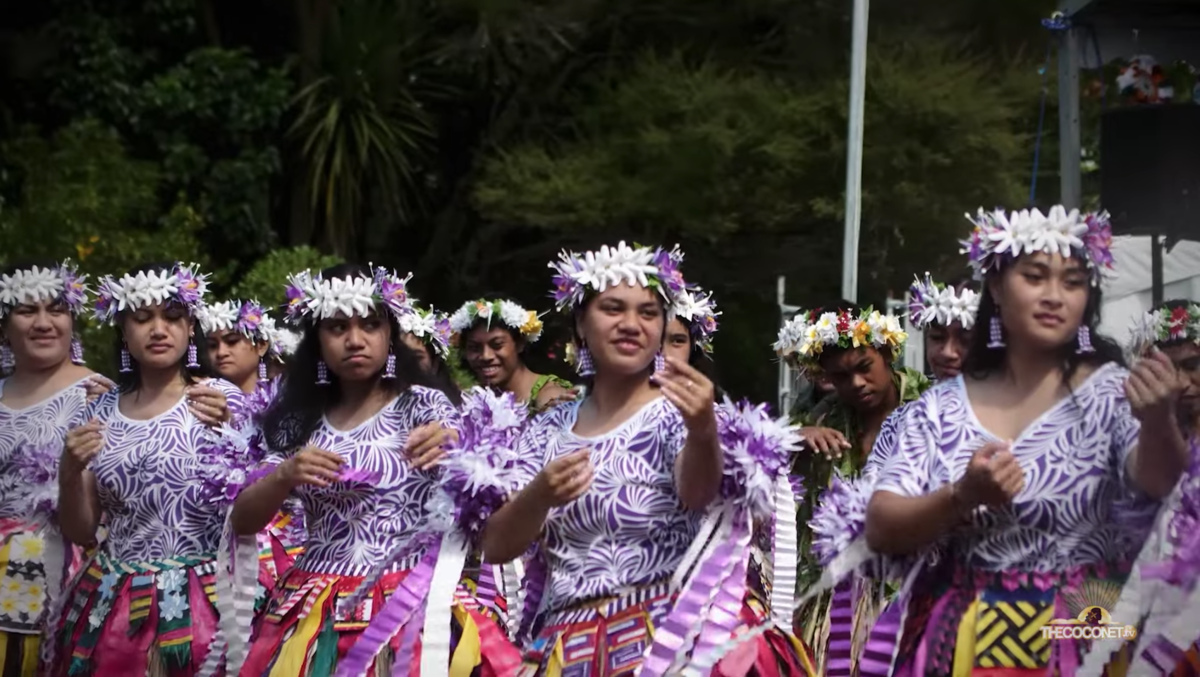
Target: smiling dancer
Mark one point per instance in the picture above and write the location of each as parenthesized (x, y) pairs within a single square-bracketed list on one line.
[(148, 460), (616, 488), (43, 398), (1030, 471), (492, 335), (342, 440)]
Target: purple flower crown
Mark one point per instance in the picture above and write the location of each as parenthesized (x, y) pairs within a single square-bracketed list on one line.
[(757, 450), (1001, 236), (430, 326), (63, 283), (182, 284), (699, 311), (933, 302), (247, 318), (311, 297), (575, 275)]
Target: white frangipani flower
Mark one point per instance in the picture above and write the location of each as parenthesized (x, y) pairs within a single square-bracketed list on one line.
[(30, 286), (512, 314), (220, 316), (612, 266)]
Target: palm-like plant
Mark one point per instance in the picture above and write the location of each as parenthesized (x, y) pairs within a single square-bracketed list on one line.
[(361, 128)]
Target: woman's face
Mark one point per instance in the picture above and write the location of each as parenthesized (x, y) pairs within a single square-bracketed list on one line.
[(419, 349), (234, 356), (39, 334), (157, 336), (491, 354), (623, 329), (1042, 298), (678, 343), (946, 348), (355, 348)]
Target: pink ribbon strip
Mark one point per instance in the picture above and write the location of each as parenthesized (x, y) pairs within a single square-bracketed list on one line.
[(399, 609), (724, 616), (359, 476)]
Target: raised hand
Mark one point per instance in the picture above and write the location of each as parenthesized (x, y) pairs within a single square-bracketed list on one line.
[(82, 445), (692, 394), (1154, 387), (427, 444), (96, 386), (209, 405), (564, 479), (827, 441), (311, 466), (993, 477)]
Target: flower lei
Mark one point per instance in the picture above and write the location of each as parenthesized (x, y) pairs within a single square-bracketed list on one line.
[(757, 449), (249, 319), (933, 302), (1163, 325), (512, 315), (311, 297), (699, 311), (576, 274), (477, 471), (998, 236), (34, 285), (430, 326), (182, 285), (806, 335)]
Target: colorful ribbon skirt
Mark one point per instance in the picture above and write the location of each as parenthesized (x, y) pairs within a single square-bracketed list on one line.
[(304, 633), (277, 551), (609, 637), (962, 623), (153, 618)]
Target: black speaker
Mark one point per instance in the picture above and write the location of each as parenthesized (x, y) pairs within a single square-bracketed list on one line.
[(1150, 170)]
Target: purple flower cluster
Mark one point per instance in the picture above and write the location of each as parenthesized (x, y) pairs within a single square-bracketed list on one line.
[(477, 469), (36, 467), (228, 463), (757, 449), (840, 516), (74, 293), (1183, 568), (393, 291), (1098, 240), (669, 274)]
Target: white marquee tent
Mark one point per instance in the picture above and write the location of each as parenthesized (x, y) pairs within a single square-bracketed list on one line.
[(1128, 293)]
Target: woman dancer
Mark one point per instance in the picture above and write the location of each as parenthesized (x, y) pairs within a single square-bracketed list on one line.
[(618, 482), (43, 398), (945, 313), (1029, 469), (147, 462), (341, 439), (493, 334), (242, 340)]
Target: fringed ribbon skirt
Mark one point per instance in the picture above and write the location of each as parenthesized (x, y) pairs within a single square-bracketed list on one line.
[(26, 589), (304, 634), (962, 623), (153, 618), (276, 554), (609, 638)]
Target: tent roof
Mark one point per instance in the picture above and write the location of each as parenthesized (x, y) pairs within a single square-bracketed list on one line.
[(1132, 260)]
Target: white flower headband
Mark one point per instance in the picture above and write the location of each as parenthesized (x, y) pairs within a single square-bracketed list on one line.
[(36, 285), (935, 303), (806, 335), (181, 284), (699, 311), (510, 314), (610, 266), (1163, 325), (249, 319), (430, 326), (999, 235), (311, 297)]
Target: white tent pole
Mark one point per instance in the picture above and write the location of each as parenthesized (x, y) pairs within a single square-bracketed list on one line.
[(854, 151)]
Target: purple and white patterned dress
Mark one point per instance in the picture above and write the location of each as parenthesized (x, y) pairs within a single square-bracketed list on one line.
[(34, 558), (368, 531), (145, 604), (1077, 519)]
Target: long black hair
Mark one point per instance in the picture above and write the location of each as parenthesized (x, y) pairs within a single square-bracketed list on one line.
[(291, 419), (982, 361), (439, 372), (131, 381)]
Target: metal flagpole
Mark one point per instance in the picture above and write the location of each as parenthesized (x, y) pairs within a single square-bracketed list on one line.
[(854, 151)]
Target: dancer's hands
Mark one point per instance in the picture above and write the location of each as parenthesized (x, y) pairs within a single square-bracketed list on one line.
[(82, 445), (209, 405), (426, 445), (993, 477), (96, 386), (1154, 387), (311, 466), (564, 479), (692, 394), (827, 441)]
